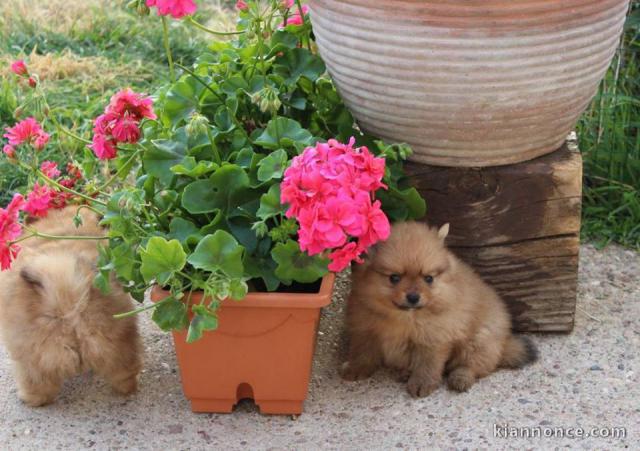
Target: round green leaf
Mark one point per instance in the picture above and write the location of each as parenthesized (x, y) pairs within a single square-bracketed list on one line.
[(273, 166), (161, 259), (219, 252), (293, 264)]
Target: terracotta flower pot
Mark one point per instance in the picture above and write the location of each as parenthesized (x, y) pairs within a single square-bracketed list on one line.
[(262, 349), (469, 83)]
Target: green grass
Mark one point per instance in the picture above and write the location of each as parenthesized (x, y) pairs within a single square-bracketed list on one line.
[(609, 134), (84, 51)]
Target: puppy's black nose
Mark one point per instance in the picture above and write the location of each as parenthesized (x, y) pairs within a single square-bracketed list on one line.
[(413, 298)]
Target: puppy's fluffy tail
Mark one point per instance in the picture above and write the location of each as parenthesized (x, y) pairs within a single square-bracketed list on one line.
[(519, 351)]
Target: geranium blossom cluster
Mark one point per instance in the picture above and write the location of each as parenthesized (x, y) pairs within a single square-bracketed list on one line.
[(19, 68), (175, 8), (330, 191), (39, 201), (120, 122), (27, 131), (43, 197), (10, 230)]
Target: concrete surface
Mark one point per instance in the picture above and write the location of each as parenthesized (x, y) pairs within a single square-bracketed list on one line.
[(587, 379)]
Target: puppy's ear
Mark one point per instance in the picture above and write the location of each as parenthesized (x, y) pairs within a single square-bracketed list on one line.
[(443, 232), (31, 277)]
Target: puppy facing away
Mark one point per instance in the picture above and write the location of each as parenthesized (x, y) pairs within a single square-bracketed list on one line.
[(417, 308), (55, 324)]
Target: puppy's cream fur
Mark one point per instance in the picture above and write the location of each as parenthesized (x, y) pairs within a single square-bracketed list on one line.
[(55, 323), (417, 308)]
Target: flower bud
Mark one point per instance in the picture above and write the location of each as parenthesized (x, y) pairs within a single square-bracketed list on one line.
[(198, 124), (143, 9), (267, 100), (10, 152), (19, 68), (260, 228), (32, 82)]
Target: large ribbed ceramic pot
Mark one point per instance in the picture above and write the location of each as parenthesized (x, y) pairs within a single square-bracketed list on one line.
[(469, 82)]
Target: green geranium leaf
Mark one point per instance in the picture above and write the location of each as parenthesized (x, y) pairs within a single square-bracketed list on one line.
[(227, 184), (223, 120), (204, 319), (273, 166), (163, 155), (219, 252), (190, 168), (270, 205), (264, 268), (298, 63), (237, 289), (124, 260), (184, 231), (182, 99), (282, 41), (171, 315), (284, 132), (161, 259), (293, 264)]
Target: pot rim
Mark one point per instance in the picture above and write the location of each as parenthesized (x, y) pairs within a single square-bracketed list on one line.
[(270, 299)]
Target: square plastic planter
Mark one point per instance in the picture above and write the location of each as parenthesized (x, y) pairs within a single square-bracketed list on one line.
[(263, 349)]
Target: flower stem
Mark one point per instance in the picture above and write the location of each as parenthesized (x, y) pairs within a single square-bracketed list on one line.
[(35, 233), (214, 148), (69, 190), (201, 81), (143, 309), (167, 48), (304, 21), (119, 173), (209, 30), (69, 133)]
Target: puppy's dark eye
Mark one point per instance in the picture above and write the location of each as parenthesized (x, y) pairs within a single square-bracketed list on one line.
[(394, 278), (428, 279)]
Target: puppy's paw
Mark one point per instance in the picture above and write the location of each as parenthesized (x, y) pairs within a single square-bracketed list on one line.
[(403, 376), (36, 399), (460, 379), (420, 387), (351, 372), (126, 386)]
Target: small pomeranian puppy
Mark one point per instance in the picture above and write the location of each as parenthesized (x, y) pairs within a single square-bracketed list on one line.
[(53, 321), (415, 307)]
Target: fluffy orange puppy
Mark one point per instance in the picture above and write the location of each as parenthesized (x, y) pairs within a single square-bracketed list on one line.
[(417, 308), (55, 323)]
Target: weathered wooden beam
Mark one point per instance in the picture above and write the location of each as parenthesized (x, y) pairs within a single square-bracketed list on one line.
[(519, 227)]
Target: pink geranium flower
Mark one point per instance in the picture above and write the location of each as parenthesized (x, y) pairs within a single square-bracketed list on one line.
[(120, 122), (330, 190), (27, 131), (126, 130), (50, 169), (137, 105), (295, 18), (18, 67), (175, 8), (104, 147), (241, 5), (10, 230), (39, 201), (343, 257)]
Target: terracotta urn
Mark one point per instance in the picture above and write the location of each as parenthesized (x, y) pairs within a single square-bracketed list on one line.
[(469, 82), (263, 350)]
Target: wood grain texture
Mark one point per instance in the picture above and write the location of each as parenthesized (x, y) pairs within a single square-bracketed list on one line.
[(519, 227)]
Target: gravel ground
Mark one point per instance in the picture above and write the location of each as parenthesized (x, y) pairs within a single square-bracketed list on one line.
[(588, 379)]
